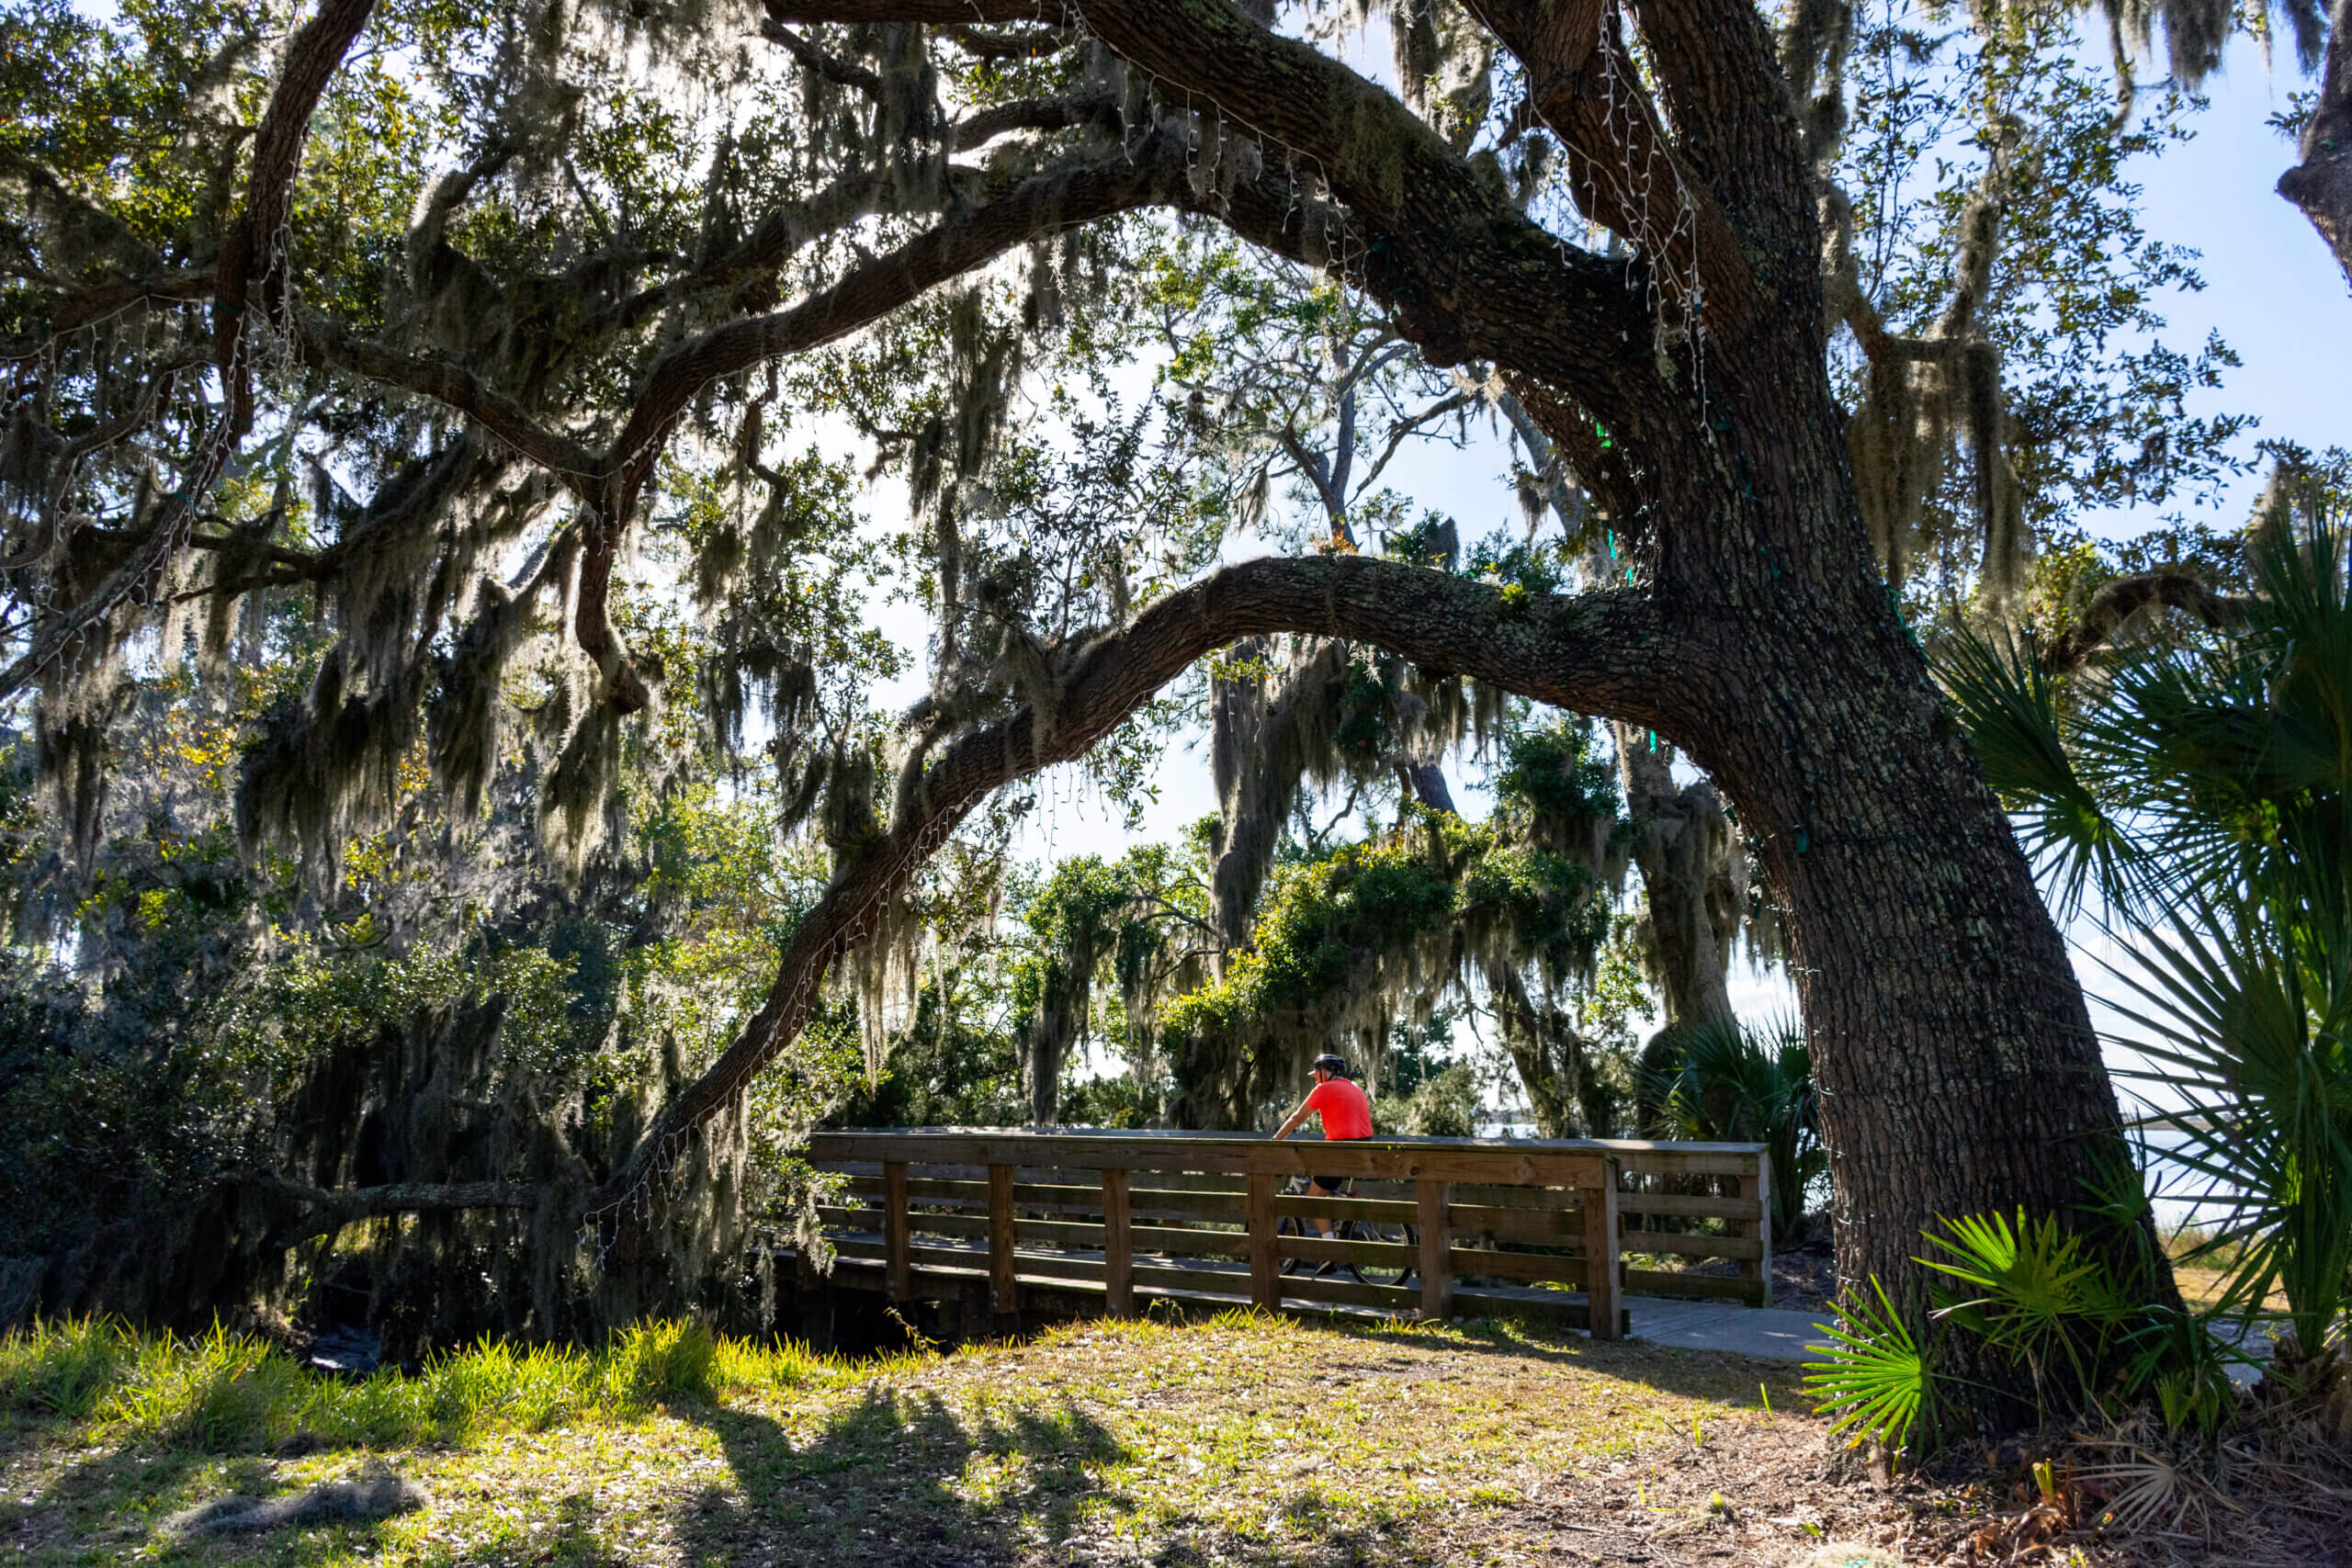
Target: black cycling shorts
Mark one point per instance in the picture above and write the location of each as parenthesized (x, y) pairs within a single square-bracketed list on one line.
[(1333, 1184)]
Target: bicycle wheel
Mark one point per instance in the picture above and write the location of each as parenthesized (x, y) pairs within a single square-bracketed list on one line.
[(1396, 1273), (1287, 1226)]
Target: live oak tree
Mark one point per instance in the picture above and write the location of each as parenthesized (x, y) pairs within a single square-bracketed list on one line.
[(644, 237)]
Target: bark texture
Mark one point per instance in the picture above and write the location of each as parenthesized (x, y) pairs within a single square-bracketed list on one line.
[(2322, 184)]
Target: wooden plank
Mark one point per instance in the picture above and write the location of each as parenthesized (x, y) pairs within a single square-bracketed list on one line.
[(1760, 1268), (1599, 1204), (1665, 1283), (894, 1230), (1549, 1199), (1190, 1242), (1265, 1281), (1398, 1299), (1118, 1246), (1683, 1245), (1688, 1205), (1194, 1204), (1322, 1249), (1571, 1309), (1407, 1161), (872, 1249), (1437, 1269), (1691, 1160), (1002, 1292), (1480, 1262), (1388, 1210), (1566, 1224), (1063, 1234), (1628, 1152), (1228, 1284), (1041, 1150)]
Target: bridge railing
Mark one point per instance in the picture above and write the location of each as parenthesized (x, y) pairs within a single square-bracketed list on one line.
[(1438, 1222)]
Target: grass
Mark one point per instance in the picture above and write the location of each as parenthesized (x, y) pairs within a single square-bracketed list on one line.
[(226, 1393), (1242, 1435)]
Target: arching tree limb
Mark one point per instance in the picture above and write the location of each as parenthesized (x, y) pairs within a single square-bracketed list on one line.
[(1608, 652)]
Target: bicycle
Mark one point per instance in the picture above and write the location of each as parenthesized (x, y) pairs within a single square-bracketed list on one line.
[(1346, 1230)]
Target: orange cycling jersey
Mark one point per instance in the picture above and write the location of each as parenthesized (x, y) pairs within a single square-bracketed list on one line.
[(1346, 1112)]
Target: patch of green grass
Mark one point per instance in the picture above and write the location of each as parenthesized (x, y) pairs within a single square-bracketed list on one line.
[(223, 1392), (1240, 1435)]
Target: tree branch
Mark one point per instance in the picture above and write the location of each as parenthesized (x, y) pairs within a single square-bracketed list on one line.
[(1041, 205), (331, 1210), (1584, 85), (2125, 597), (1461, 270), (576, 465), (311, 59), (841, 73), (1606, 653)]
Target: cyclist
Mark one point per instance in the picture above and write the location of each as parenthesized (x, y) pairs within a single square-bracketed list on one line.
[(1346, 1112)]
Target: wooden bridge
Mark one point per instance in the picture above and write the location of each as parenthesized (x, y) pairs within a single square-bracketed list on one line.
[(1433, 1226)]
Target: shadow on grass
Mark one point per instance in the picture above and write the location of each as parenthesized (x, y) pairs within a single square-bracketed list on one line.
[(896, 1478)]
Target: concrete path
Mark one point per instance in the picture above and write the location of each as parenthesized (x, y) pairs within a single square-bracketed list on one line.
[(1779, 1336), (1774, 1334)]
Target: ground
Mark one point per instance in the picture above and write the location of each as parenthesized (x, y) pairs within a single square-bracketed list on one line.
[(1245, 1439)]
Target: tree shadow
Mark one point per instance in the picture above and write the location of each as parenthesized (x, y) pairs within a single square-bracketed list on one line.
[(1531, 1339), (897, 1479)]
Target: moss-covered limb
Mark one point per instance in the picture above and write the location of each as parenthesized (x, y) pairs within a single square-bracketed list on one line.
[(1588, 90), (2321, 185), (325, 1211), (1466, 271), (2116, 603), (250, 257), (1597, 652), (1038, 207), (456, 387)]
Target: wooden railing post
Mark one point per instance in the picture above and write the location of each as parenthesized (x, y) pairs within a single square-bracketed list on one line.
[(1437, 1259), (1601, 1251), (1118, 1246), (1265, 1269), (894, 1225), (1760, 1268), (1002, 1288)]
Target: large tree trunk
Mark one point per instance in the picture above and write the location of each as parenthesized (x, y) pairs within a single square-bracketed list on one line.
[(2322, 184), (1957, 1069)]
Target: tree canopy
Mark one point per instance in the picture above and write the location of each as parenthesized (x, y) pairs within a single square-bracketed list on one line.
[(444, 412)]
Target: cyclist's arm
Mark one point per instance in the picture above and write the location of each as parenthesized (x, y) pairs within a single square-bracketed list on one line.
[(1297, 1118)]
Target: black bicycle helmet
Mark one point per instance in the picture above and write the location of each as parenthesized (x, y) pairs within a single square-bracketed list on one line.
[(1335, 1066)]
